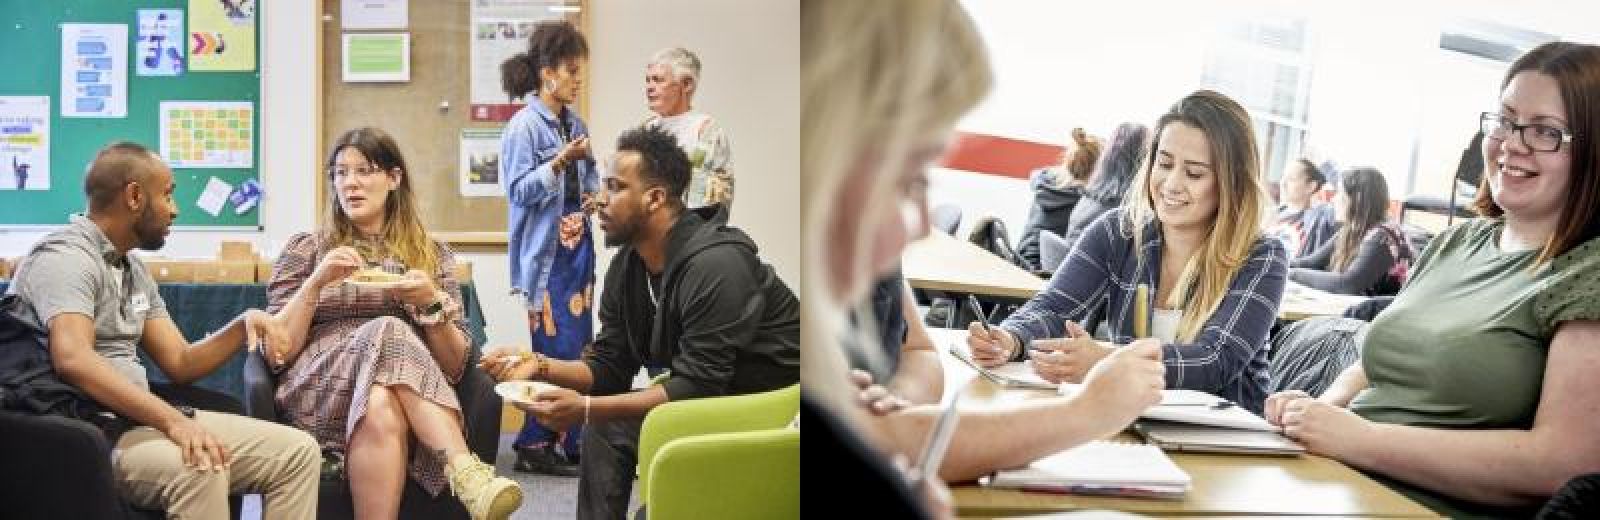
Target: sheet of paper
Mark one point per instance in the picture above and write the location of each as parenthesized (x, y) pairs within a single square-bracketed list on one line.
[(24, 142), (214, 196), (479, 175), (158, 50), (500, 30), (373, 14), (246, 197), (222, 35), (376, 57), (208, 134), (94, 70)]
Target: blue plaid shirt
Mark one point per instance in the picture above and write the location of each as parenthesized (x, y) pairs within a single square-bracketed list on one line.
[(1097, 280)]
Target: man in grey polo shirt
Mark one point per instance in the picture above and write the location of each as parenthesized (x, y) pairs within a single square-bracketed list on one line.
[(99, 305)]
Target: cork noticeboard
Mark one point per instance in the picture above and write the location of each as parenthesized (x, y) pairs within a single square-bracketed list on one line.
[(425, 114)]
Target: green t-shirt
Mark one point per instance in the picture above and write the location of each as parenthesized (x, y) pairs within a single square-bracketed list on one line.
[(1464, 344)]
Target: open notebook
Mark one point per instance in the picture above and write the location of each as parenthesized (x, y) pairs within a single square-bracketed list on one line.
[(1010, 375), (1191, 420), (1101, 468)]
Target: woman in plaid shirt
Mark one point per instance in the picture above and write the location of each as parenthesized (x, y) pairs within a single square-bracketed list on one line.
[(1190, 231)]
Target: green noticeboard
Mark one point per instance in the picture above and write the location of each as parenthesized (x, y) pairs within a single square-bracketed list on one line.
[(31, 41)]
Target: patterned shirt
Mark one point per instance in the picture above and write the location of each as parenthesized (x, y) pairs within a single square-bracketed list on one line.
[(1097, 280)]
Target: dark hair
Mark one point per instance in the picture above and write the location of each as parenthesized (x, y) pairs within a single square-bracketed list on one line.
[(1313, 174), (1576, 69), (661, 162), (114, 166), (1118, 164), (553, 42), (1368, 194)]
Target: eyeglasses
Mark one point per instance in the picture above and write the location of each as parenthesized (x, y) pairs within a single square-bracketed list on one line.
[(1545, 138), (361, 172)]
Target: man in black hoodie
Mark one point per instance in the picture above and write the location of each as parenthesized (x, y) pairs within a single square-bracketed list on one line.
[(685, 291)]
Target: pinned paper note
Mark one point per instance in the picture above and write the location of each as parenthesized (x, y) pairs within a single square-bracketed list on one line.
[(246, 197), (214, 196)]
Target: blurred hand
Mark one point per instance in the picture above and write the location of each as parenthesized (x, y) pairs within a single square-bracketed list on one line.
[(559, 409), (509, 363), (417, 289), (1126, 382), (335, 266), (1067, 359), (990, 349), (200, 449), (1273, 409), (1325, 429), (877, 399), (264, 332), (575, 149)]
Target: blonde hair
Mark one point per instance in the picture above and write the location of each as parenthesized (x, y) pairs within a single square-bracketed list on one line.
[(1241, 203), (403, 234), (878, 79)]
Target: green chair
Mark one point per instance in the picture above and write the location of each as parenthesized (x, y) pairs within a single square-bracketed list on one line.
[(722, 457)]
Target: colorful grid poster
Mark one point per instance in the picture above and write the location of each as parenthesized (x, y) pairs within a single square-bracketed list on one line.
[(222, 35), (207, 134)]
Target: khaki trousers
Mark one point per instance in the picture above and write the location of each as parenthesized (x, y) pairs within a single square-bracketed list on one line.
[(280, 462)]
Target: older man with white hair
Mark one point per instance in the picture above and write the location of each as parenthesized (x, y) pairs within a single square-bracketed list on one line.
[(671, 79)]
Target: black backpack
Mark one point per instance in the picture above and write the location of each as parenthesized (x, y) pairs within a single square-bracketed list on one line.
[(28, 381)]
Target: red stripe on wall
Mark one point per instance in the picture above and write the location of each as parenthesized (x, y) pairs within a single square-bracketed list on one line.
[(998, 155)]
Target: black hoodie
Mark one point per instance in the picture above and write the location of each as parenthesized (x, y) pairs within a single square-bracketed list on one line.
[(1052, 210), (726, 324)]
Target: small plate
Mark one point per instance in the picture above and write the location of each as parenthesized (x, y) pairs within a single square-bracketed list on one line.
[(519, 390), (376, 285)]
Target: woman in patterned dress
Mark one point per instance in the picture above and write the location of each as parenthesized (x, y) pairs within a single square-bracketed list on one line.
[(370, 370)]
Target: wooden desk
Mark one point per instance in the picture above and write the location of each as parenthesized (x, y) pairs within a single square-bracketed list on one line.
[(941, 262), (1224, 485)]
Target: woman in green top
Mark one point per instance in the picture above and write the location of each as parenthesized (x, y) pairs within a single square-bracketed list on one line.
[(1476, 384)]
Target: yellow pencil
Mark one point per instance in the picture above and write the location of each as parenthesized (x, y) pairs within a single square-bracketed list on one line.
[(1141, 311)]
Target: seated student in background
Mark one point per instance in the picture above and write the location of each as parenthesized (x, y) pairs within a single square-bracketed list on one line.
[(1113, 174), (1476, 386), (1056, 191), (99, 306), (686, 291), (369, 371), (1302, 223), (860, 61), (1190, 230), (1368, 255)]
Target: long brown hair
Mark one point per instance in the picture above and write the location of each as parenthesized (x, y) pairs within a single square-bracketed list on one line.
[(1576, 69), (1240, 204), (1368, 195), (403, 234)]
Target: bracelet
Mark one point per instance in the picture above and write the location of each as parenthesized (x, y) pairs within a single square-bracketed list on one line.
[(586, 410)]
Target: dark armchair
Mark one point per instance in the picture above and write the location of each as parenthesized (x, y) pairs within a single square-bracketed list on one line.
[(480, 411)]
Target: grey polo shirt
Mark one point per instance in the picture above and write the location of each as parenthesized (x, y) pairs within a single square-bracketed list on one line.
[(78, 270)]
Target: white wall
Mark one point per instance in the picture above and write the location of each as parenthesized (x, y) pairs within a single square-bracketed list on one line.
[(750, 51), (750, 81), (1382, 94)]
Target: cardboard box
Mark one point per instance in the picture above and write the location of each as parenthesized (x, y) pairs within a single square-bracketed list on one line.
[(236, 251), (263, 271), (170, 271), (219, 271)]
